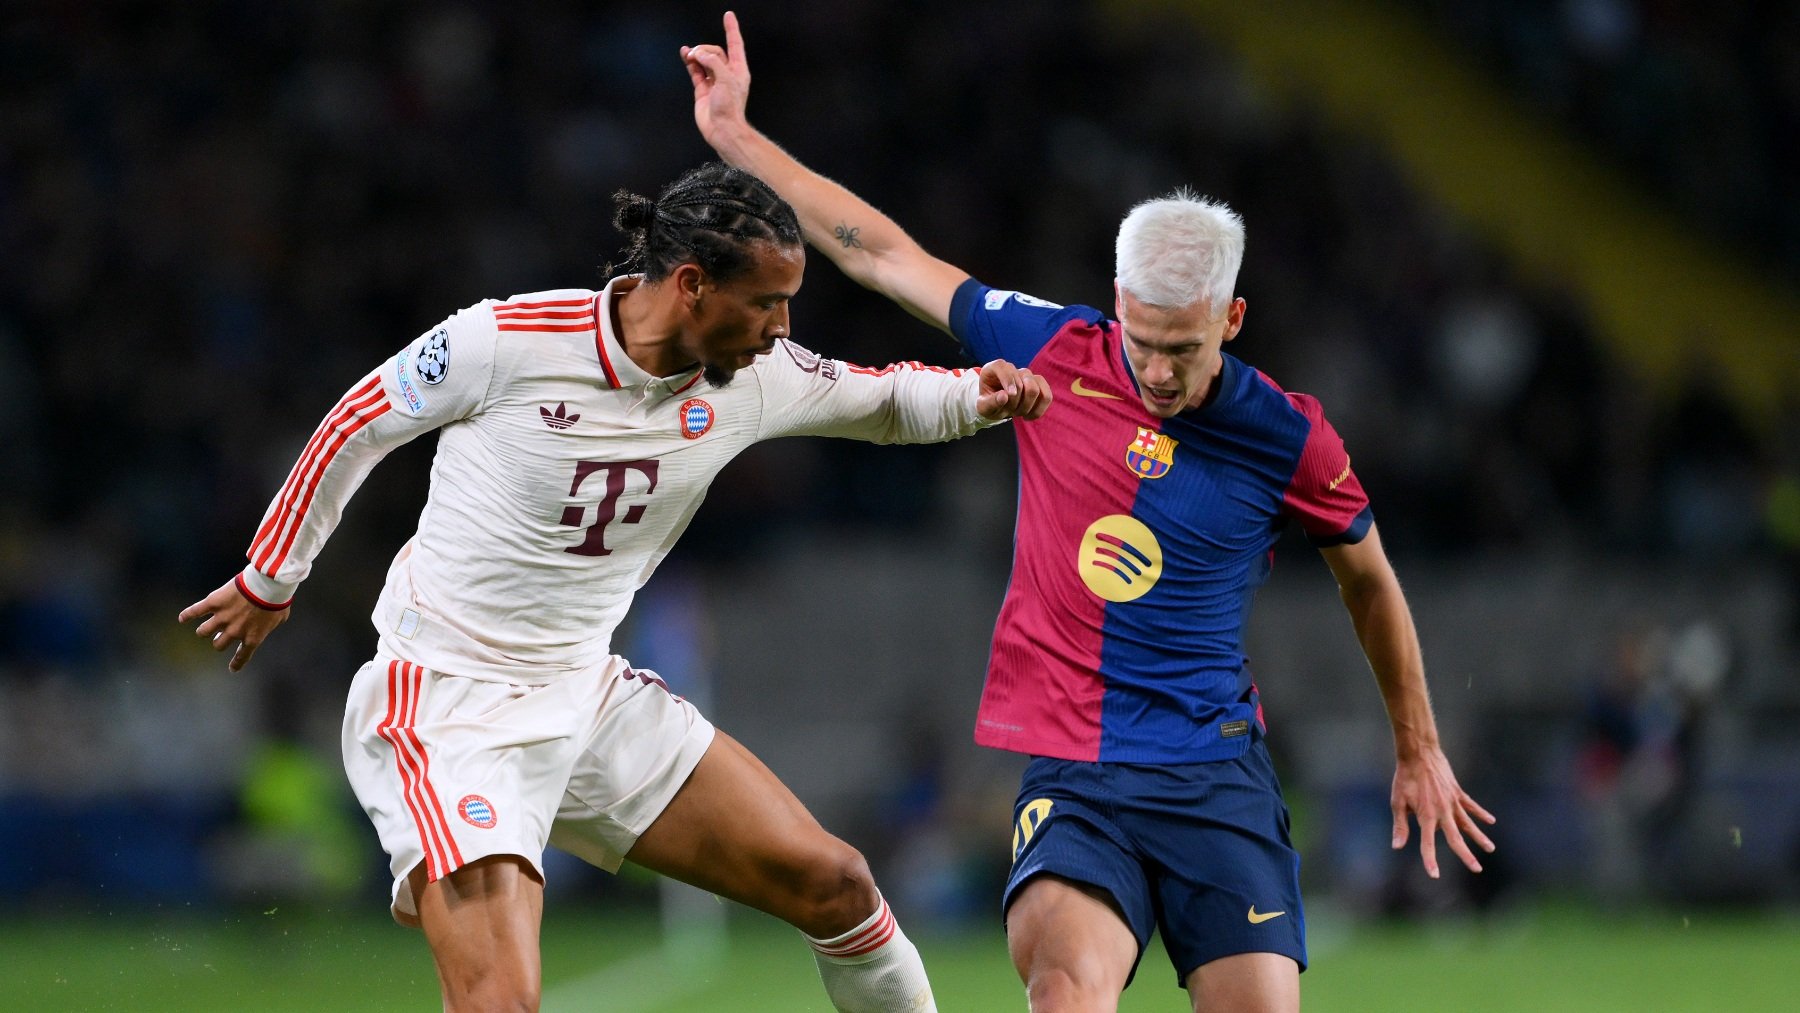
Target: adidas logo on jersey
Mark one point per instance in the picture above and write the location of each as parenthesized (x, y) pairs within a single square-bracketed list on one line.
[(559, 419)]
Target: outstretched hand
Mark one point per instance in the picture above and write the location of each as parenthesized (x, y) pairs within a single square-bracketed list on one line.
[(233, 620), (1011, 392), (721, 82), (1426, 787)]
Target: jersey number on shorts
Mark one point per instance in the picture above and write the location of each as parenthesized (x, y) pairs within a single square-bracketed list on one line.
[(1030, 818), (604, 512)]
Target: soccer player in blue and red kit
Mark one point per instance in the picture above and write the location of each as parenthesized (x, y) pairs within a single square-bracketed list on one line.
[(1149, 501)]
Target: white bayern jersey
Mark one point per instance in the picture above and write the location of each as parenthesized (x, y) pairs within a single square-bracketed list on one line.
[(563, 475)]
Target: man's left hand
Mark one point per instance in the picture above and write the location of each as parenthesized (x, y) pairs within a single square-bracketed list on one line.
[(1425, 786), (1011, 392)]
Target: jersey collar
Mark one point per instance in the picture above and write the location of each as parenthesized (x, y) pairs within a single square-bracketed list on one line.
[(620, 371)]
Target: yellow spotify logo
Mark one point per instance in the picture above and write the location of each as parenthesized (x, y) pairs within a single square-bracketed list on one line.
[(1030, 818), (1119, 558)]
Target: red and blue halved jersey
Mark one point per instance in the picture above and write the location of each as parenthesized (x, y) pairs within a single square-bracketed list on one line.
[(1141, 542)]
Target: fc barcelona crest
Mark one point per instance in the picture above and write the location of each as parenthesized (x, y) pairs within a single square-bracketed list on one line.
[(1151, 455)]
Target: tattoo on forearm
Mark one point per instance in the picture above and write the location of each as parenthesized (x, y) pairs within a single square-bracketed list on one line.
[(847, 235)]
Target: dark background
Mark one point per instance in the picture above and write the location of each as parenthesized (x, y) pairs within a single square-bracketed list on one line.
[(215, 216)]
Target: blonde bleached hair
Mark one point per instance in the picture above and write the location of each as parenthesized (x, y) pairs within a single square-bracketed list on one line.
[(1179, 250)]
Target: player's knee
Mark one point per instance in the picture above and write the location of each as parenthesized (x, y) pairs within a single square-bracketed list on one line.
[(1070, 987), (1061, 975), (837, 893), (1252, 982), (487, 992)]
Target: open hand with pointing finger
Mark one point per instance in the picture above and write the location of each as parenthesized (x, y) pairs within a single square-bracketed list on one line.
[(233, 620), (721, 77)]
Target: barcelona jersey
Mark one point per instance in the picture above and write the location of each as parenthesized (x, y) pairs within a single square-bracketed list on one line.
[(1141, 542)]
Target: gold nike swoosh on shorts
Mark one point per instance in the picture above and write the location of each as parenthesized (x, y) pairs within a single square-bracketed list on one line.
[(1085, 391), (1256, 919)]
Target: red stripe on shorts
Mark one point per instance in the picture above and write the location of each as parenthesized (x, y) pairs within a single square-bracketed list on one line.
[(434, 809), (396, 730)]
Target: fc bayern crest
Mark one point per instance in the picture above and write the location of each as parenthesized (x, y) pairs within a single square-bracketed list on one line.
[(476, 811), (1151, 455), (434, 357), (696, 418)]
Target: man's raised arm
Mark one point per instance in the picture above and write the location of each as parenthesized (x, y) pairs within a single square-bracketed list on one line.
[(864, 243)]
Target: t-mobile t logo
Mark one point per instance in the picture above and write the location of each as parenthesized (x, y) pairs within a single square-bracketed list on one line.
[(604, 512)]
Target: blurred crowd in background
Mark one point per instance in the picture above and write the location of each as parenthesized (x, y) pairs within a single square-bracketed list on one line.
[(1702, 100), (215, 216)]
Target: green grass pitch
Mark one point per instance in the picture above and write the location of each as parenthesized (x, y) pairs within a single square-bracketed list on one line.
[(1539, 961)]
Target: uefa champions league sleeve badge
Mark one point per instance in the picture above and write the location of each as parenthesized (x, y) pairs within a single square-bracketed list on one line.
[(433, 361)]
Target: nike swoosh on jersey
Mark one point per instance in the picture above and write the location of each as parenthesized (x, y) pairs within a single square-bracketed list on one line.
[(1256, 919), (1085, 391)]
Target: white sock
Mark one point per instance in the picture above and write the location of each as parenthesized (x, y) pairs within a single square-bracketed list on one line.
[(873, 968)]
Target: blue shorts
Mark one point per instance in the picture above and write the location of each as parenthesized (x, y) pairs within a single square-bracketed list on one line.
[(1200, 851)]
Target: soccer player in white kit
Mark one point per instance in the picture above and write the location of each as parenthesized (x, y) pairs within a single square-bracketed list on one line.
[(579, 432)]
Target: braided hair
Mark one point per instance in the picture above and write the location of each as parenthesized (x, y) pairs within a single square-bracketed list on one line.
[(709, 217)]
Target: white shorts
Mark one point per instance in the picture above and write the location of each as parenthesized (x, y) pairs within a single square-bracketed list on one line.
[(452, 769)]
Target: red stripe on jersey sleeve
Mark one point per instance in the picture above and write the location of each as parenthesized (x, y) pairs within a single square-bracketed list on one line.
[(909, 364), (574, 314), (540, 305), (559, 328), (251, 597), (374, 407), (286, 495)]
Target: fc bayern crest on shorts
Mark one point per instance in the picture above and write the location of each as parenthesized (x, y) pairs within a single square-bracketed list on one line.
[(434, 357), (696, 418), (476, 812)]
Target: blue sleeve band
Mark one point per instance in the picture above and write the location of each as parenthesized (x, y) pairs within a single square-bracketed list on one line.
[(1356, 532), (961, 305)]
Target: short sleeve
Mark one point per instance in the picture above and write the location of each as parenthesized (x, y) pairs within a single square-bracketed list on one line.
[(995, 323), (1324, 495)]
